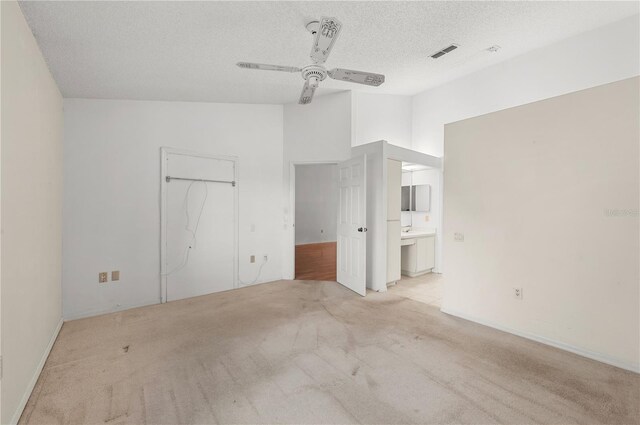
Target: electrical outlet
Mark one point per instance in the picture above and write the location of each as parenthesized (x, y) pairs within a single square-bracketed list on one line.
[(426, 217), (252, 259), (458, 237), (517, 293), (115, 275), (266, 258), (103, 277)]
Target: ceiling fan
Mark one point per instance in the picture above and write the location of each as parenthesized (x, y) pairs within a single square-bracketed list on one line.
[(326, 32)]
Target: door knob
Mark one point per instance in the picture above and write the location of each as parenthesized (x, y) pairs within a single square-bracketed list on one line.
[(362, 229)]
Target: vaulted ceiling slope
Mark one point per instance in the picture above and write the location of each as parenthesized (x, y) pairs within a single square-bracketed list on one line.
[(187, 51)]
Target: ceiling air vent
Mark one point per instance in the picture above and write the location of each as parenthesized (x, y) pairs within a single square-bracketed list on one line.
[(444, 51)]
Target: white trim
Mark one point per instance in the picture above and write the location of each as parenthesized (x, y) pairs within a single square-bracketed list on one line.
[(291, 273), (440, 229), (384, 208), (603, 358), (36, 375), (415, 274), (164, 153)]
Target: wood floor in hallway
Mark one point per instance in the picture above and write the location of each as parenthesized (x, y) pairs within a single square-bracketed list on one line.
[(316, 261), (315, 352)]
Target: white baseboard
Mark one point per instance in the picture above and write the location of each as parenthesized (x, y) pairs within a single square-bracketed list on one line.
[(416, 274), (557, 344), (102, 311), (36, 375)]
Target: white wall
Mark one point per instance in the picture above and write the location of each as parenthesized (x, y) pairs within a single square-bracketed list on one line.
[(318, 132), (532, 189), (607, 54), (31, 211), (382, 117), (112, 183), (316, 207)]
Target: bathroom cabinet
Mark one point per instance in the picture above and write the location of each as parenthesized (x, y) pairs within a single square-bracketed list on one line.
[(418, 253)]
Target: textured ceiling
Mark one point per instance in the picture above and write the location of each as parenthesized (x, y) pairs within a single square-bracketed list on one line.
[(188, 50)]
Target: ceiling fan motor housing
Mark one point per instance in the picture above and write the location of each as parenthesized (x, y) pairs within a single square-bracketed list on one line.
[(314, 74)]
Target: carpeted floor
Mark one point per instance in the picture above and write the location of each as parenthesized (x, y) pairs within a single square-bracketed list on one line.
[(314, 352)]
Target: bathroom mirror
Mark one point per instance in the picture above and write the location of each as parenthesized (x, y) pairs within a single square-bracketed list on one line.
[(405, 203), (421, 198), (416, 198)]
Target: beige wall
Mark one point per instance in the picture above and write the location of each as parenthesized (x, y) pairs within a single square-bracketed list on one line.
[(547, 197), (31, 210)]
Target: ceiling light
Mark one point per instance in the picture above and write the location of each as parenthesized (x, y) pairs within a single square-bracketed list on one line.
[(406, 166)]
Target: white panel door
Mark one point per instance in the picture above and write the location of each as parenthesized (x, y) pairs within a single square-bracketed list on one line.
[(200, 251), (352, 236)]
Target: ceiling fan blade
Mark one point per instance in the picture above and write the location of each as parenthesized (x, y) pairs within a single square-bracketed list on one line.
[(265, 67), (325, 38), (307, 94), (368, 78)]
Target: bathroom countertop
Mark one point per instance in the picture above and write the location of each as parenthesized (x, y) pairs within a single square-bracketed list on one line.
[(417, 233)]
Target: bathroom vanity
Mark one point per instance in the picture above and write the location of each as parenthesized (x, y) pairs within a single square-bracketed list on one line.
[(418, 251)]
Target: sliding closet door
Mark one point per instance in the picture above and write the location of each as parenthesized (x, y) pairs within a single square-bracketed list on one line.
[(200, 225)]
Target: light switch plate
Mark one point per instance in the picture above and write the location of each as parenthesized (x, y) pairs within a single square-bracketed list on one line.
[(115, 275)]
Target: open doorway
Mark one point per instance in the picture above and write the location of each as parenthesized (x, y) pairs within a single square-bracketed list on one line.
[(316, 206), (420, 226)]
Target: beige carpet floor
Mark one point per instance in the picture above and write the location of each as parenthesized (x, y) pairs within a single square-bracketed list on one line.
[(314, 352)]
